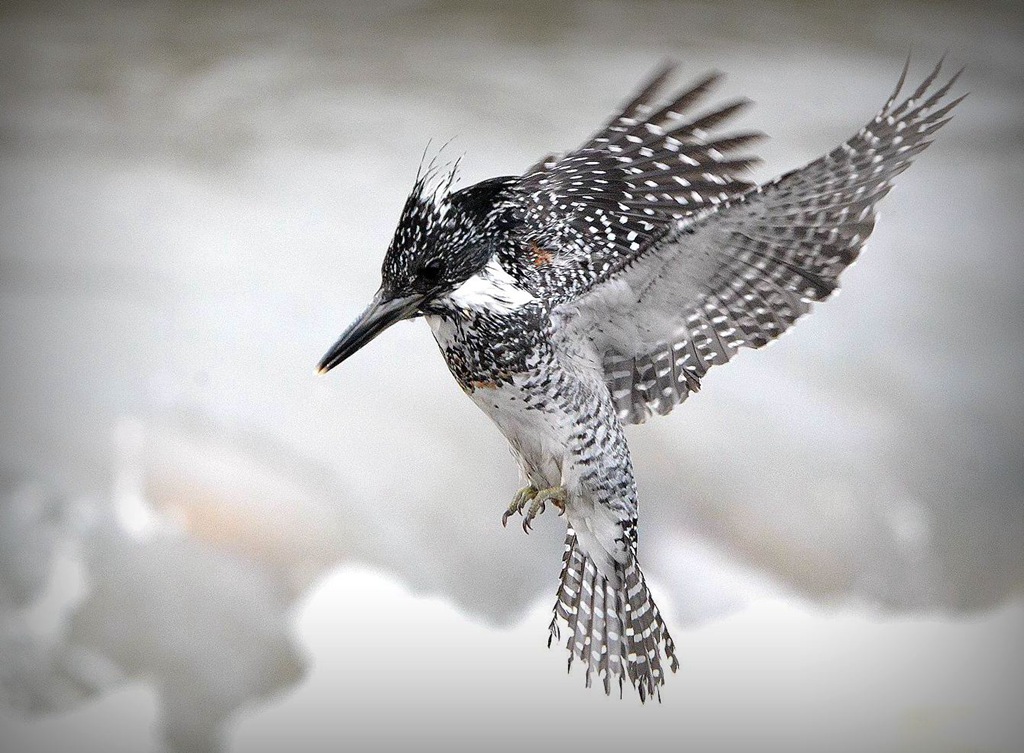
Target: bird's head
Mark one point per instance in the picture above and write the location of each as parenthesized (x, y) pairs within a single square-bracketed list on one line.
[(443, 238)]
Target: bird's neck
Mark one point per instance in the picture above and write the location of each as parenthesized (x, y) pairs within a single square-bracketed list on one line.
[(491, 290)]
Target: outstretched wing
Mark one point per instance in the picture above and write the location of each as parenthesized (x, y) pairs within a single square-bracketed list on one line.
[(586, 214), (740, 274)]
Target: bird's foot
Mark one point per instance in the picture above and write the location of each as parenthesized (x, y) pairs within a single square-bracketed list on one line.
[(533, 501), (522, 498)]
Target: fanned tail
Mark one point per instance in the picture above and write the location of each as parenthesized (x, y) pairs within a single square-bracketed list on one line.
[(614, 628)]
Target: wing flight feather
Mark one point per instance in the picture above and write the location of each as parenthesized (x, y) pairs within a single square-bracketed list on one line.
[(741, 272), (591, 211)]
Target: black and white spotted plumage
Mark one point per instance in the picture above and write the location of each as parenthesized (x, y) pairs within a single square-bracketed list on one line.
[(601, 286), (748, 268), (598, 206)]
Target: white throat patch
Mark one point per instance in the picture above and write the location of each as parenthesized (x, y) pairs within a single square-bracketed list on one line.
[(490, 289)]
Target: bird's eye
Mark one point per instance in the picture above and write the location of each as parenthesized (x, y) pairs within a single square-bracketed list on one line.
[(430, 272)]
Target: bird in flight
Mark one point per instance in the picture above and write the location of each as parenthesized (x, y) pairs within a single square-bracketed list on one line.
[(599, 287)]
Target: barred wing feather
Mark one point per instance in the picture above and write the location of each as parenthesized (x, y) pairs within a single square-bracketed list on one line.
[(742, 272), (598, 207)]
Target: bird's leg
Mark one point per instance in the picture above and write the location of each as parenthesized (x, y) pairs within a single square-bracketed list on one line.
[(534, 500)]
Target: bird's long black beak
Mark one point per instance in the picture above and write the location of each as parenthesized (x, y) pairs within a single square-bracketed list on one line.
[(379, 315)]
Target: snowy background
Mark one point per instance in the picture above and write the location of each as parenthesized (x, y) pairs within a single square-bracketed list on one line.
[(205, 547)]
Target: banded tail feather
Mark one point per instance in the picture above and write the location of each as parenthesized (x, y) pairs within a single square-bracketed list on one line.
[(613, 625)]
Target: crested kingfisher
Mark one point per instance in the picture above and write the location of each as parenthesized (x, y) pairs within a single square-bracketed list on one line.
[(600, 286)]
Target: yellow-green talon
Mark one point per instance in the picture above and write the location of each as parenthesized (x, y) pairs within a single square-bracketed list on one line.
[(523, 496), (533, 501)]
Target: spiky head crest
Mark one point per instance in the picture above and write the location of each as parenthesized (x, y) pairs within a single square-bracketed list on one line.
[(443, 237)]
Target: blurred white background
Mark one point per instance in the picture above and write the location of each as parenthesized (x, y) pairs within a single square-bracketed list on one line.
[(205, 547)]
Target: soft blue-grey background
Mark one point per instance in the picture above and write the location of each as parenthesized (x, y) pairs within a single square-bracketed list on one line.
[(194, 200)]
